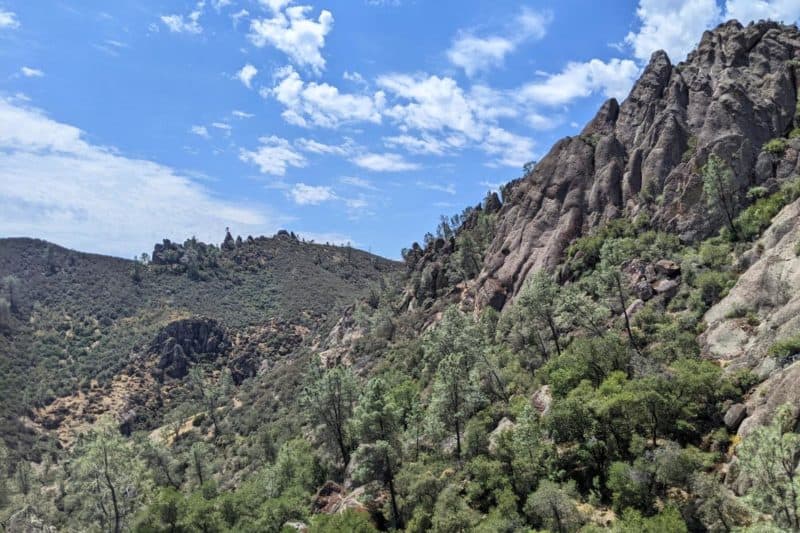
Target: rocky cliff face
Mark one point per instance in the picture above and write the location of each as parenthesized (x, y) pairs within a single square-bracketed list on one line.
[(734, 93), (760, 311)]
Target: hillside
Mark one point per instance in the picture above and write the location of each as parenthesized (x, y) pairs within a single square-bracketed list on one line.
[(79, 319), (610, 343)]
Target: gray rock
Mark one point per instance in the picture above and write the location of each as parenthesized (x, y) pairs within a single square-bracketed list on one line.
[(635, 307), (643, 290), (666, 286), (665, 267), (504, 425), (734, 416), (542, 399)]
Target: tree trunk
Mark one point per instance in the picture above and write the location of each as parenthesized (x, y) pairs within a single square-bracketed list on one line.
[(398, 521), (458, 438), (622, 304), (110, 484)]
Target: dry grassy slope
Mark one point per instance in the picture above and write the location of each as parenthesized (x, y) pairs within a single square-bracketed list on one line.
[(82, 318)]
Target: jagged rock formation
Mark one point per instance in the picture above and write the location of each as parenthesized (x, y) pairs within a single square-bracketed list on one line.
[(734, 93), (186, 342)]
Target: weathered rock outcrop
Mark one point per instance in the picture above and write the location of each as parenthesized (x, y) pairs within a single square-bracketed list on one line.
[(734, 93), (761, 309), (185, 342)]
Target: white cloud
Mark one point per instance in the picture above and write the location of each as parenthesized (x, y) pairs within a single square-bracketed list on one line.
[(8, 20), (355, 77), (511, 150), (273, 156), (338, 239), (241, 114), (425, 144), (200, 131), (674, 26), (384, 162), (358, 182), (310, 145), (188, 24), (787, 11), (476, 54), (29, 72), (56, 185), (445, 188), (293, 33), (321, 104), (579, 80), (275, 5), (357, 203), (220, 4), (224, 127), (303, 194), (433, 103), (239, 15), (246, 75)]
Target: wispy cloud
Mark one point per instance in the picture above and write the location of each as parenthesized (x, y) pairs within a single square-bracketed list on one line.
[(303, 194), (185, 24), (476, 53), (361, 183), (386, 162), (246, 75), (56, 185), (8, 20), (29, 72), (447, 188), (200, 131)]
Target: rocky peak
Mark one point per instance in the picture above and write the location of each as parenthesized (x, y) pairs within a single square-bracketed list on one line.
[(734, 93)]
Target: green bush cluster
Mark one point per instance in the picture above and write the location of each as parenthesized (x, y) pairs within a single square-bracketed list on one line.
[(753, 220)]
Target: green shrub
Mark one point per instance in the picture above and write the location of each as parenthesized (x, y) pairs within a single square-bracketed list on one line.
[(757, 192), (712, 286), (691, 148), (785, 348), (775, 146), (755, 219)]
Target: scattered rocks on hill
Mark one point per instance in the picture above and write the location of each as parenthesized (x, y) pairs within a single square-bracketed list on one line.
[(332, 498)]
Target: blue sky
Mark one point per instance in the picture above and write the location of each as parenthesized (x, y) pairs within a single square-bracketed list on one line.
[(355, 120)]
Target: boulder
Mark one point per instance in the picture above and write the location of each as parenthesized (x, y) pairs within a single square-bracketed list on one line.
[(665, 267), (668, 287), (734, 416), (643, 290), (635, 307), (332, 498), (542, 399), (504, 425)]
